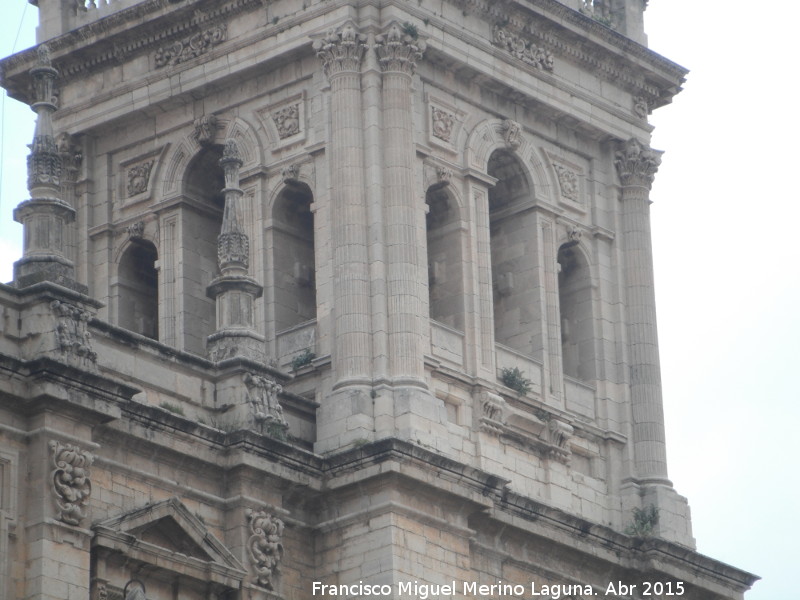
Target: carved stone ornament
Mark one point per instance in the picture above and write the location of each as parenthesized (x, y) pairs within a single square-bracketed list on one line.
[(442, 124), (262, 395), (512, 134), (443, 175), (558, 434), (290, 173), (637, 164), (568, 182), (399, 49), (71, 484), (136, 230), (265, 546), (575, 234), (72, 333), (205, 129), (641, 107), (233, 247), (139, 178), (71, 157), (522, 50), (190, 47), (341, 51), (287, 121)]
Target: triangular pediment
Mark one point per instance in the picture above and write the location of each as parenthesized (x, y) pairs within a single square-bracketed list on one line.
[(168, 527)]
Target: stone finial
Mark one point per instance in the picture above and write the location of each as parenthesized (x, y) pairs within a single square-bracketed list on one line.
[(341, 51), (399, 48), (71, 483), (233, 245), (265, 546), (637, 164)]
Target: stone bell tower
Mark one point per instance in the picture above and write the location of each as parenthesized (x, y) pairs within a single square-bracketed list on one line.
[(339, 298)]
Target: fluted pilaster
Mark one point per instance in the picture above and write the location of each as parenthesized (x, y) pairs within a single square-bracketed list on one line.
[(341, 53), (637, 165), (398, 51)]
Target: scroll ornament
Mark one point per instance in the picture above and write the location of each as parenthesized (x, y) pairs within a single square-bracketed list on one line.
[(71, 484), (265, 546)]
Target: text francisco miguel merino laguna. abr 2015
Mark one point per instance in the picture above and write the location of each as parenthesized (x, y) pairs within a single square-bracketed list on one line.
[(424, 591)]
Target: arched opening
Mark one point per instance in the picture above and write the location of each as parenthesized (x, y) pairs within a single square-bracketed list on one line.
[(445, 274), (294, 267), (201, 222), (138, 289), (517, 321), (575, 303)]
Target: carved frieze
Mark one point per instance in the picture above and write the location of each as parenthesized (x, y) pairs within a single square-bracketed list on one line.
[(341, 51), (399, 49), (568, 182), (71, 484), (73, 338), (139, 177), (265, 546), (287, 120), (522, 49), (190, 47)]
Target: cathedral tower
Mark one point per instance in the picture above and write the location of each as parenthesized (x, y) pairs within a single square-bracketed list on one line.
[(339, 293)]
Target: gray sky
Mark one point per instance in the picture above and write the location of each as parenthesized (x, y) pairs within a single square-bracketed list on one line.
[(727, 275)]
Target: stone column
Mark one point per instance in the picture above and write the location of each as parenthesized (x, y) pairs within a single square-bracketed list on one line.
[(45, 217), (234, 291), (637, 165), (398, 51), (341, 53)]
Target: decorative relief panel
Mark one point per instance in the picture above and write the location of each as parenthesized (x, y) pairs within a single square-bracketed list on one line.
[(265, 546), (568, 182), (522, 49), (284, 122), (139, 178), (137, 175), (444, 124), (73, 338), (71, 484), (569, 172), (190, 47)]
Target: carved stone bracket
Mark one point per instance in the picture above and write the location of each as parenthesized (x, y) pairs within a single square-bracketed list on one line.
[(71, 484), (512, 134), (522, 49), (399, 50), (190, 47), (443, 175), (637, 164), (136, 230), (641, 107), (205, 129), (341, 51), (290, 173), (73, 338), (265, 546)]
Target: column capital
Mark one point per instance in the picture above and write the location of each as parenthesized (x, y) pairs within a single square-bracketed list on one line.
[(636, 163), (341, 51), (399, 48)]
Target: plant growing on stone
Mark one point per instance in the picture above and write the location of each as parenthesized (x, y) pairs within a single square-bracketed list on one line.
[(410, 30), (275, 430), (644, 522), (303, 359), (173, 408), (513, 378)]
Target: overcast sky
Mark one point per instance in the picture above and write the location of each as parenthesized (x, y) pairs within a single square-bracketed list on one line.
[(727, 269)]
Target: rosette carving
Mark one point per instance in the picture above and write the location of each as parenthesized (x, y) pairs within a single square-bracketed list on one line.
[(71, 484)]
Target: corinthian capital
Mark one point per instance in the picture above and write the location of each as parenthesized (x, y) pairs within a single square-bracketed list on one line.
[(399, 49), (637, 164), (341, 51)]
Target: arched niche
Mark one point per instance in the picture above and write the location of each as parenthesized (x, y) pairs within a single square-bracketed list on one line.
[(445, 257), (575, 304), (138, 288), (294, 266)]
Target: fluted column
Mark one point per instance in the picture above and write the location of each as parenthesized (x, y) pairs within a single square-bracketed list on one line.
[(234, 290), (45, 217), (341, 53), (637, 165), (398, 51)]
